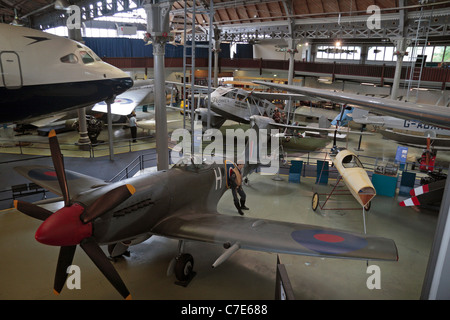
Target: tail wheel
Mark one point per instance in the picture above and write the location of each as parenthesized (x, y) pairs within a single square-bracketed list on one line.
[(315, 201), (184, 266)]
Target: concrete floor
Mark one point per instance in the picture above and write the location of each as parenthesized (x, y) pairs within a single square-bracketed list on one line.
[(27, 267)]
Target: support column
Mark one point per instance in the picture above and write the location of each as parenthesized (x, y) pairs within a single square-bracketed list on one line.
[(83, 141), (401, 45), (110, 133), (216, 51), (158, 30), (292, 50), (364, 53)]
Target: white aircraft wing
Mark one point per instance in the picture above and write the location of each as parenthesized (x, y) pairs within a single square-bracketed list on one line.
[(48, 120), (431, 114), (316, 112), (125, 103), (275, 236), (340, 129), (278, 96)]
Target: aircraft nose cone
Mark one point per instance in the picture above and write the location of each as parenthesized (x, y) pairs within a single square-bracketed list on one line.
[(64, 228), (122, 85)]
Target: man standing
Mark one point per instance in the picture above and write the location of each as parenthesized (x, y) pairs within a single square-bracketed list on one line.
[(132, 125), (236, 188)]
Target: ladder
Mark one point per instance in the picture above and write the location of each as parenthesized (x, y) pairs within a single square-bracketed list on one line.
[(418, 60), (193, 88)]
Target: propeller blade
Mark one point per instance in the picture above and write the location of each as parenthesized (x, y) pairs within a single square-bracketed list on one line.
[(32, 210), (104, 265), (108, 201), (64, 261), (58, 163)]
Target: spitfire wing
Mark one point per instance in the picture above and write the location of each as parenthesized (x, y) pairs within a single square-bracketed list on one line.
[(46, 178), (430, 114), (276, 236)]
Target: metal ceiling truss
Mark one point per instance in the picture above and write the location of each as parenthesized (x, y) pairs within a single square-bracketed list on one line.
[(390, 28), (353, 27), (89, 10)]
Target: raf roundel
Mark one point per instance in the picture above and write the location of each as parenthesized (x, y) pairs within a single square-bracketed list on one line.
[(47, 174), (120, 101), (328, 241)]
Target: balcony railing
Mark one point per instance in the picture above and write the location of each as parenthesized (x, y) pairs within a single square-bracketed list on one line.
[(440, 77)]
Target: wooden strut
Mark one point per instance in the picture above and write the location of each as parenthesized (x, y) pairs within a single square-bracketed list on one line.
[(329, 196), (337, 193)]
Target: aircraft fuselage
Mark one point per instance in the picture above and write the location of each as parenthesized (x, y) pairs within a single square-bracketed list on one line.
[(43, 74), (158, 195), (239, 105)]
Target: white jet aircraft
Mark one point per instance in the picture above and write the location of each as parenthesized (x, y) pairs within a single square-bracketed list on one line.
[(43, 74)]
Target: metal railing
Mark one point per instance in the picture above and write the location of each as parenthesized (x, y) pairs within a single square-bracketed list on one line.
[(133, 167), (25, 147), (369, 163)]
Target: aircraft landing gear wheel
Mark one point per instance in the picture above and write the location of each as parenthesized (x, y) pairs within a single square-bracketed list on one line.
[(367, 206), (315, 201), (184, 266)]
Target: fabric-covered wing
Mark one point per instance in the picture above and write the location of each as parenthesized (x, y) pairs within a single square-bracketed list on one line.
[(276, 236), (430, 114), (312, 128), (126, 102), (46, 178), (278, 96)]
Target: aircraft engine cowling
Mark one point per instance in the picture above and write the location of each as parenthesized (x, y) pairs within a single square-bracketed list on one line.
[(260, 122), (121, 248)]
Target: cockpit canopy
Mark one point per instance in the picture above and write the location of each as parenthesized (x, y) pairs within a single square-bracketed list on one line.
[(351, 161), (83, 54), (188, 163)]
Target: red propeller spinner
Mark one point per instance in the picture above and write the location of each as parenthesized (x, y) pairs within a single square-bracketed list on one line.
[(72, 225), (64, 227)]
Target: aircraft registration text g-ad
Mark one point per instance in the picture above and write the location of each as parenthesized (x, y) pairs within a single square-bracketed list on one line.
[(229, 309)]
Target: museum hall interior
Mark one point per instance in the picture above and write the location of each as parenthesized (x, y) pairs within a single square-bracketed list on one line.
[(221, 150)]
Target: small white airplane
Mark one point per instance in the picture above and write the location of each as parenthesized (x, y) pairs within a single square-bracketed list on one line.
[(43, 74), (236, 104), (408, 132), (142, 93), (438, 116)]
